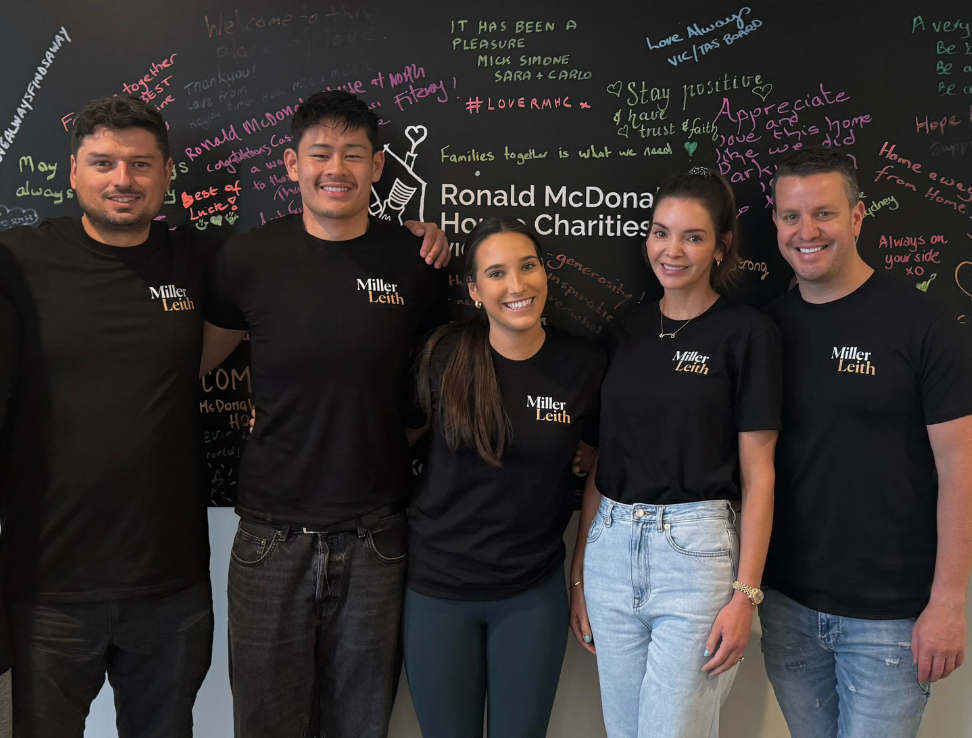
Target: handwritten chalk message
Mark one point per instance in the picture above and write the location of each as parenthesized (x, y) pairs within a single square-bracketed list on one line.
[(7, 137)]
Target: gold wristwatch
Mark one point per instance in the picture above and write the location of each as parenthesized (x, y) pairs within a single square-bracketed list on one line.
[(755, 594)]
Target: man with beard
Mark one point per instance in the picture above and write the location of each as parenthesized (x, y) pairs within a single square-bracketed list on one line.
[(105, 553)]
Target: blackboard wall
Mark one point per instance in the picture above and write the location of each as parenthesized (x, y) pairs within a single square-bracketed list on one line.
[(566, 115)]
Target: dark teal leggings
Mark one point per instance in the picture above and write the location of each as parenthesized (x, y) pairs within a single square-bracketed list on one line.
[(458, 652)]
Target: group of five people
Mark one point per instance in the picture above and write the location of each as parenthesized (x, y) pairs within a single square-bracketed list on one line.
[(854, 384)]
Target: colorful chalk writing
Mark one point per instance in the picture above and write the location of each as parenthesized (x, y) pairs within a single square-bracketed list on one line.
[(497, 92), (951, 47), (957, 194), (739, 21)]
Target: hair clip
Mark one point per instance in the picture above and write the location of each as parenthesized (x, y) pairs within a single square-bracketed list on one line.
[(699, 170)]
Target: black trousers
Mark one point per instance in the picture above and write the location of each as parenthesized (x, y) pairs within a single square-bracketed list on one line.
[(156, 652), (314, 619)]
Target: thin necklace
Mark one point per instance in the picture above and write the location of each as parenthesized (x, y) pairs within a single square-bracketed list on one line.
[(661, 320)]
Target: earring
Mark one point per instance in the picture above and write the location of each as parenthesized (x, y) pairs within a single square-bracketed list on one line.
[(478, 304), (718, 262)]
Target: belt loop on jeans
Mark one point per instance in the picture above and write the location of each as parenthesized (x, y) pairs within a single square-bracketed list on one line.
[(732, 511), (608, 519), (661, 514), (361, 529)]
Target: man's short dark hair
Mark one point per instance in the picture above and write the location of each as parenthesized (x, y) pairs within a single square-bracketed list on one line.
[(116, 114), (820, 161), (335, 106)]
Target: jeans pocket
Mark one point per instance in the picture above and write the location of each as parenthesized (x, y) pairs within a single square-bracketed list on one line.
[(388, 540), (597, 525), (253, 544), (702, 538)]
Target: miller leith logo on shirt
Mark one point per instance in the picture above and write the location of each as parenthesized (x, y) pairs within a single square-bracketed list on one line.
[(172, 297), (851, 359), (380, 291), (691, 361), (559, 414)]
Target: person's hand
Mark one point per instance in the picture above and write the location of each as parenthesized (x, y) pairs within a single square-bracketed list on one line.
[(578, 618), (584, 457), (729, 636), (435, 245), (938, 641), (252, 418)]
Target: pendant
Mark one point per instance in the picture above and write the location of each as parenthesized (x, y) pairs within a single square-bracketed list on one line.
[(666, 335)]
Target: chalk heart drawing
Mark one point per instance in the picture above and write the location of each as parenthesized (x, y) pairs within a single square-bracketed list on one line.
[(623, 131), (691, 146), (763, 91), (416, 134), (968, 276), (615, 89)]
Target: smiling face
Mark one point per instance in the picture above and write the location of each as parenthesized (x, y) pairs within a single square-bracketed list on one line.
[(120, 179), (682, 244), (335, 168), (816, 227), (510, 282)]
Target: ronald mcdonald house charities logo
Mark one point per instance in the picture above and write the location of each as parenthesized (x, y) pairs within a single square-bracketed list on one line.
[(380, 291), (173, 298)]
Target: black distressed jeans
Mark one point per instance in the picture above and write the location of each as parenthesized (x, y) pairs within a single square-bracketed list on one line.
[(155, 650), (314, 618)]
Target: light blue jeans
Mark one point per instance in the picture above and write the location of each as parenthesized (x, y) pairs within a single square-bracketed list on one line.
[(837, 677), (655, 578)]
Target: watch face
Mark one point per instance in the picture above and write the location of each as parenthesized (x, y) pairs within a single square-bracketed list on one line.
[(758, 596)]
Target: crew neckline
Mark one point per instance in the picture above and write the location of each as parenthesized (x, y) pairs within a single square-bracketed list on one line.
[(849, 299), (715, 307), (157, 230), (517, 364), (325, 244)]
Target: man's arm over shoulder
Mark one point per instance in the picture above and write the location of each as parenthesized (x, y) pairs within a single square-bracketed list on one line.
[(435, 245)]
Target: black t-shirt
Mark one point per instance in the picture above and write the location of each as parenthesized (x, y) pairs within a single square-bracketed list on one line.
[(672, 408), (332, 326), (480, 532), (855, 530), (99, 454), (9, 363), (9, 353)]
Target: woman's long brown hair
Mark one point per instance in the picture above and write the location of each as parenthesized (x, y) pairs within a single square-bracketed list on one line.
[(470, 406)]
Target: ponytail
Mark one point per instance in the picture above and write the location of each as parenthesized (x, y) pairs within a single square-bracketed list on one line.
[(470, 407)]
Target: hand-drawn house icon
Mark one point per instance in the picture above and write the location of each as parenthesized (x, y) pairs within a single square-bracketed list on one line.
[(401, 200)]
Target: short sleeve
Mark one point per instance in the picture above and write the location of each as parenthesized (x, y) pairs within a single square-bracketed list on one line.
[(223, 286), (759, 381), (591, 434), (436, 313), (415, 416), (10, 341), (946, 373)]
